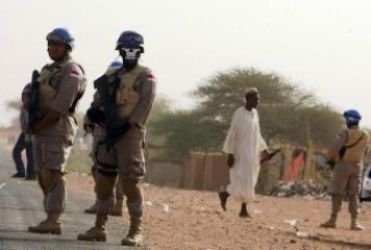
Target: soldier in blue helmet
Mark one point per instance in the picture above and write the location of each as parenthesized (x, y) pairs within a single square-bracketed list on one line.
[(98, 133), (52, 99), (346, 156), (61, 36), (122, 105)]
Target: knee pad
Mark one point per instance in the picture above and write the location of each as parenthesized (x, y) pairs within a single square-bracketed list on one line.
[(107, 170)]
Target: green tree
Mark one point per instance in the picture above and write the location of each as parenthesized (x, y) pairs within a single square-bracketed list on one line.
[(14, 106), (288, 114)]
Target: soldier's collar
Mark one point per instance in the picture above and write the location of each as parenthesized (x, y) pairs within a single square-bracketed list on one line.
[(63, 61), (137, 69)]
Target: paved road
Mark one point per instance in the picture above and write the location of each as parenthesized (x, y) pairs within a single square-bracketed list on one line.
[(20, 207)]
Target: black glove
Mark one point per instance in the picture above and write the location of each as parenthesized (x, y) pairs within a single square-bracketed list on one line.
[(88, 128), (331, 163), (95, 115), (230, 160), (113, 135)]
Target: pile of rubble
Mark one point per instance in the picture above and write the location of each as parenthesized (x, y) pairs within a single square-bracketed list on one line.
[(306, 189)]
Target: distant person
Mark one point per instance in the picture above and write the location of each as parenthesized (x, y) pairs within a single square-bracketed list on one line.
[(61, 84), (245, 147), (346, 157), (24, 143)]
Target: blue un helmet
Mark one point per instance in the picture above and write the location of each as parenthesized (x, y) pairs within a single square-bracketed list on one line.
[(352, 117), (113, 67), (61, 35), (115, 64), (130, 39)]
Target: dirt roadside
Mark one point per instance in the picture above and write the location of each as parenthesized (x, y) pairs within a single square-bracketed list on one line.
[(184, 219)]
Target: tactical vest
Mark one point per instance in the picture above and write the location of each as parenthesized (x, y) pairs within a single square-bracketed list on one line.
[(47, 91), (356, 144), (126, 96), (48, 87)]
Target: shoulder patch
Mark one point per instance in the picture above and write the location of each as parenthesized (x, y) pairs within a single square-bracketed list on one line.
[(74, 71), (150, 75)]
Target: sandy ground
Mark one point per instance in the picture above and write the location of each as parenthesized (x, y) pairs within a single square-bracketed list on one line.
[(184, 219)]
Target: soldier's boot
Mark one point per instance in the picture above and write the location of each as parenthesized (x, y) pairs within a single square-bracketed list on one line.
[(96, 233), (92, 209), (135, 209), (354, 210), (244, 213), (117, 208), (331, 223), (134, 237), (223, 196), (51, 225), (336, 206), (354, 225)]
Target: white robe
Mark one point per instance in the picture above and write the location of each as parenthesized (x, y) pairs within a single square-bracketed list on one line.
[(245, 142)]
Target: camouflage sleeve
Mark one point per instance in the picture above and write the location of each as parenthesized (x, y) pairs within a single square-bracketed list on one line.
[(23, 118), (367, 139), (141, 112), (96, 99), (69, 88), (27, 89), (26, 94), (333, 151)]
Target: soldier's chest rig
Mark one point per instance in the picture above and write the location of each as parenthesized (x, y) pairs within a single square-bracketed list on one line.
[(125, 91), (49, 81), (353, 149), (127, 95)]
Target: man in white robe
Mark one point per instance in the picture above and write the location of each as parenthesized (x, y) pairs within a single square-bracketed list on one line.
[(245, 147)]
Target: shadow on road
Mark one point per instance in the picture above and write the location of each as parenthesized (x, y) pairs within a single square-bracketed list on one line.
[(42, 239), (337, 242)]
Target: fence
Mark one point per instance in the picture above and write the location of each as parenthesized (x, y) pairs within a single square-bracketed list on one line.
[(209, 171)]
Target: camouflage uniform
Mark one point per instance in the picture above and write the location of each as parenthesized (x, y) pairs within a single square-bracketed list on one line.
[(59, 85), (98, 134), (134, 98), (346, 178)]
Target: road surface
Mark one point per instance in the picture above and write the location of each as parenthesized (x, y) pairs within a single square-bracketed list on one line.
[(21, 206)]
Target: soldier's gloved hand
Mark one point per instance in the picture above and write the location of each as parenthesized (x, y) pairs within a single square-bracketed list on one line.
[(88, 125), (264, 155), (115, 134), (95, 115), (331, 163), (88, 128), (230, 160)]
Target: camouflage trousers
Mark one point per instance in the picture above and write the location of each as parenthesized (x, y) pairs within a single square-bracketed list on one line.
[(346, 181), (125, 160), (51, 154)]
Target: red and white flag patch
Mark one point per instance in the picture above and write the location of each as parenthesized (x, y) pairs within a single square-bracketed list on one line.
[(151, 76), (75, 72)]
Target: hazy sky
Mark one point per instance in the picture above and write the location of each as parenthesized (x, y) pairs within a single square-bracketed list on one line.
[(324, 46)]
